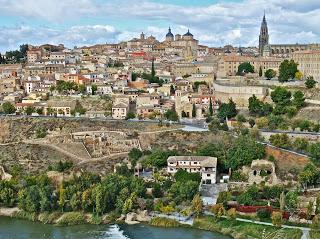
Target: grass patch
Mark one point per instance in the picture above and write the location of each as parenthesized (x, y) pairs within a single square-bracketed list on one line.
[(314, 234), (71, 218), (26, 215), (244, 229), (163, 222), (49, 218), (95, 219)]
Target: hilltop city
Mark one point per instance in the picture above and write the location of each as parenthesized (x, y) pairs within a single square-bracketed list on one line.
[(169, 133)]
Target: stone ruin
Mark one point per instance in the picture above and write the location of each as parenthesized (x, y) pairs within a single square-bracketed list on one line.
[(261, 171), (102, 143), (4, 175)]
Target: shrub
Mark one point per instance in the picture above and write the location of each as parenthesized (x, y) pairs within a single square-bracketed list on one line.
[(316, 222), (71, 218), (276, 218), (263, 213), (164, 222), (232, 214), (26, 215), (238, 176), (218, 210)]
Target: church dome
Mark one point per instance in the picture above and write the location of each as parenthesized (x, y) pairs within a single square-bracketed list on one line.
[(188, 34), (169, 34)]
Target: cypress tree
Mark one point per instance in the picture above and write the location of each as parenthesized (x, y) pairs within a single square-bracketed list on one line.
[(211, 108), (194, 110)]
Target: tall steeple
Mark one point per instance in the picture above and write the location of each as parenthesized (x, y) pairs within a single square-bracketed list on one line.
[(264, 35)]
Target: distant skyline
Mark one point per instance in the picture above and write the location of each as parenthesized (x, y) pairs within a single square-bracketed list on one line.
[(214, 23)]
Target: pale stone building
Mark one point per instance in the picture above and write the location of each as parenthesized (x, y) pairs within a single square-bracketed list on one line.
[(308, 63), (239, 94), (206, 166), (228, 65)]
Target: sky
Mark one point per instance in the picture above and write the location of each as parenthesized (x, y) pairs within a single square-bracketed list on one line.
[(212, 22)]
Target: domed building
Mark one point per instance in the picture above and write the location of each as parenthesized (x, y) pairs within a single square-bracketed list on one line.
[(187, 36), (169, 36)]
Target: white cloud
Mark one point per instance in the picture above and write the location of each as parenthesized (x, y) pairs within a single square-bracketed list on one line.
[(225, 22), (78, 35), (51, 10)]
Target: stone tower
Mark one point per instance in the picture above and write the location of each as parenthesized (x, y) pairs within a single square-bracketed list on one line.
[(169, 36), (264, 35)]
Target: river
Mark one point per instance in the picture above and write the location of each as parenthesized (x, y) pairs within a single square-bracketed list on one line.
[(11, 228)]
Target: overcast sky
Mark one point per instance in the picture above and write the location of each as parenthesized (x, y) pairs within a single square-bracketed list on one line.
[(213, 22)]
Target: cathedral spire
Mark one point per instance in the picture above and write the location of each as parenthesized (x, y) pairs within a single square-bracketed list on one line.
[(264, 35)]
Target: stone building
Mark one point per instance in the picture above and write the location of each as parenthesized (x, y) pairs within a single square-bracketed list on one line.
[(308, 63), (228, 65), (261, 171), (282, 50), (206, 166), (239, 94), (264, 35)]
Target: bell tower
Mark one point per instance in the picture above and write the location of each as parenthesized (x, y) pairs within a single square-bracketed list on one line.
[(264, 35)]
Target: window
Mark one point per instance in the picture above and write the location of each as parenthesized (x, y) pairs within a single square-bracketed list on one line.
[(208, 175)]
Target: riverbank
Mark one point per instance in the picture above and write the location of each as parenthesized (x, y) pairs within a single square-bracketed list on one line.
[(238, 229), (22, 229), (232, 228)]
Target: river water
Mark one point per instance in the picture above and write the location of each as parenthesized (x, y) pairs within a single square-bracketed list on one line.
[(20, 229)]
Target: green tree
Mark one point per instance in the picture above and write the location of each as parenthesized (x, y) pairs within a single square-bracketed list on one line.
[(82, 89), (260, 71), (153, 71), (314, 151), (252, 122), (318, 204), (183, 191), (258, 108), (171, 115), (197, 205), (62, 197), (75, 201), (310, 82), (158, 158), (227, 110), (130, 115), (134, 155), (210, 107), (218, 210), (309, 175), (183, 176), (194, 110), (172, 90), (298, 99), (245, 68), (94, 89), (244, 151), (29, 110), (224, 197), (269, 74), (197, 83), (280, 140), (291, 111), (99, 198), (281, 96), (241, 118), (301, 144), (39, 111), (8, 108), (287, 70), (292, 200)]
